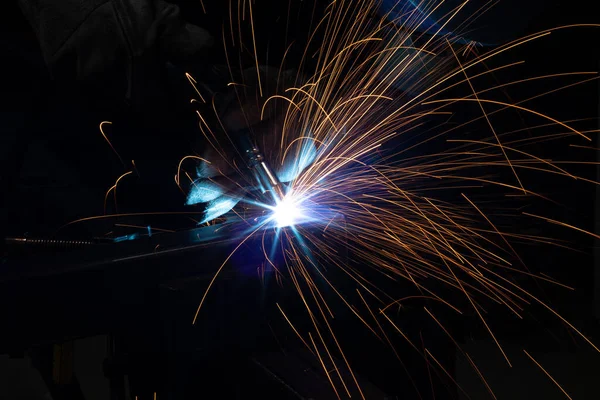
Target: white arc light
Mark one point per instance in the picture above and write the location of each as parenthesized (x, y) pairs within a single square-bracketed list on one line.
[(286, 213)]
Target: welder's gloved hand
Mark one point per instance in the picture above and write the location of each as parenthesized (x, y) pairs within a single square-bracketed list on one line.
[(224, 178)]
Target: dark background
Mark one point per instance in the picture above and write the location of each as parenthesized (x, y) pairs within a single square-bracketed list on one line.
[(56, 167)]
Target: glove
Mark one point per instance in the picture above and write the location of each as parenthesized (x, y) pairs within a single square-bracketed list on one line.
[(221, 178)]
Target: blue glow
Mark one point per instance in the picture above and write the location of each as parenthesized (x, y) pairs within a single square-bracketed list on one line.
[(412, 12), (125, 238), (218, 207), (203, 191), (293, 166)]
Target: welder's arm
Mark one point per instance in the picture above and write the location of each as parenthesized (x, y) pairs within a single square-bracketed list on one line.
[(92, 40)]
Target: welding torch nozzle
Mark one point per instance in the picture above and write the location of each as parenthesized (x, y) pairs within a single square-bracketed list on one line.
[(264, 176)]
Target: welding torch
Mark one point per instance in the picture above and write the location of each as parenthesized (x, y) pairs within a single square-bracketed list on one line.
[(264, 176)]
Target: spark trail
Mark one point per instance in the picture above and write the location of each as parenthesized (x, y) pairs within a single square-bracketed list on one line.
[(362, 121)]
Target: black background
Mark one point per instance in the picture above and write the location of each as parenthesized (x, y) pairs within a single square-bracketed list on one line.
[(56, 166)]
